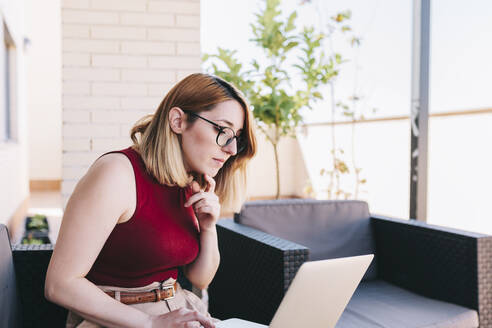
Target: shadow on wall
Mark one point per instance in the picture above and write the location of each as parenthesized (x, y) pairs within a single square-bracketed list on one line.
[(293, 170)]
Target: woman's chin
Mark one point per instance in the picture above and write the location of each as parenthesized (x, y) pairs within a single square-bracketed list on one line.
[(213, 171), (210, 171)]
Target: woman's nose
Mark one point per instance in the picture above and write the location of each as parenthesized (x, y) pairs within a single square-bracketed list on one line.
[(231, 148)]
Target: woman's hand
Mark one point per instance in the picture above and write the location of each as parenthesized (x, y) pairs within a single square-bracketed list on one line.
[(205, 204), (181, 318)]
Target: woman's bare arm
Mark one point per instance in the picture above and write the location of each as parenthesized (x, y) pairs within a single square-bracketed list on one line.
[(207, 209), (202, 271), (101, 198)]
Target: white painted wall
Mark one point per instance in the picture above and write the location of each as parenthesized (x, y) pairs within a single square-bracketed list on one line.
[(14, 183), (43, 62)]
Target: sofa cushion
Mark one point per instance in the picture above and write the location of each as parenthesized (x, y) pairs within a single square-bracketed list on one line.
[(380, 304), (330, 229)]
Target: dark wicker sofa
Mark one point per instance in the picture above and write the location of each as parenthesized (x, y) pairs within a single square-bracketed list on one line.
[(436, 277), (256, 269)]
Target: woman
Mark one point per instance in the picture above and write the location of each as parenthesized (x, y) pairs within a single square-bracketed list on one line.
[(142, 212)]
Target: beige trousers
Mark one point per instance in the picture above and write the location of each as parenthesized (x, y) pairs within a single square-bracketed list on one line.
[(183, 299)]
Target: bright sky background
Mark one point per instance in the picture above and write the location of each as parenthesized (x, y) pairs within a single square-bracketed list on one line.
[(380, 70)]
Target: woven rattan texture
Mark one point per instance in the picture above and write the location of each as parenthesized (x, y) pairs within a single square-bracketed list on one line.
[(441, 263), (31, 263), (485, 281), (254, 273)]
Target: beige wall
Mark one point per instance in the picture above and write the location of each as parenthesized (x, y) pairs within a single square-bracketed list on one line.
[(119, 60), (43, 62), (13, 154), (261, 171)]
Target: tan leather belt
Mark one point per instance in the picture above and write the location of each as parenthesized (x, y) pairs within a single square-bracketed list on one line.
[(156, 295)]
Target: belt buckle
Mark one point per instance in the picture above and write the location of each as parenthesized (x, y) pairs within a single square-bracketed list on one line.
[(167, 288)]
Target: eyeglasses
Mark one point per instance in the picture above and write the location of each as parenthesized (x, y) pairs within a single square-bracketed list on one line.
[(225, 134)]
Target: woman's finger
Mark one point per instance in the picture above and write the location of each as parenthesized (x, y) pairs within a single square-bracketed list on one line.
[(197, 316), (208, 196), (197, 205), (195, 198), (195, 187), (192, 324), (205, 209), (211, 183)]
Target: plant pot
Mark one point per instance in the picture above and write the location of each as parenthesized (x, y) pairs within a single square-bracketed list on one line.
[(36, 230), (31, 239), (37, 223)]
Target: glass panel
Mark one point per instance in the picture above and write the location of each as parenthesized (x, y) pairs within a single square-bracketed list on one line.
[(460, 147), (460, 69), (460, 176), (382, 152), (378, 73)]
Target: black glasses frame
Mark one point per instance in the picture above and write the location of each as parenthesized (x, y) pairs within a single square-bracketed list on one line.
[(240, 146)]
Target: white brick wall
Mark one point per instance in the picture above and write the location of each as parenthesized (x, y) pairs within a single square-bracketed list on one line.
[(149, 48), (88, 17), (76, 144), (173, 34), (148, 19), (187, 21), (120, 57), (156, 75), (188, 48), (177, 7)]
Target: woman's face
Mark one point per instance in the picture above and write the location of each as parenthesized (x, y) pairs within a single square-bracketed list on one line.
[(201, 152)]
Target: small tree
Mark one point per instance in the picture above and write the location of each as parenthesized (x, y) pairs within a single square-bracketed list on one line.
[(276, 104)]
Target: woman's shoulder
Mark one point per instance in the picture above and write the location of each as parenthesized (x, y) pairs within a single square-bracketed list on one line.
[(111, 176), (106, 189), (111, 167), (113, 161)]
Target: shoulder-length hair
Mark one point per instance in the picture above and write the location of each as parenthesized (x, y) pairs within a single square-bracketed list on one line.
[(160, 147)]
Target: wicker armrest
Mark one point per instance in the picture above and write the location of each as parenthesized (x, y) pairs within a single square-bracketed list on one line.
[(254, 273), (442, 263), (31, 263)]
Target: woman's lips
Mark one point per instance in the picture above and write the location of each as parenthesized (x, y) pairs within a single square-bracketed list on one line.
[(219, 161)]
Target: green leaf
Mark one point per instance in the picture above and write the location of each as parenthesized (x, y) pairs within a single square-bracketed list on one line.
[(291, 45), (290, 22), (338, 58)]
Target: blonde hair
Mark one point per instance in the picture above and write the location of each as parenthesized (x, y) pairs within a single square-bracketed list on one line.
[(160, 147)]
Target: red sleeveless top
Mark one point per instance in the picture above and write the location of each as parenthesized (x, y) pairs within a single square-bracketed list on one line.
[(161, 235)]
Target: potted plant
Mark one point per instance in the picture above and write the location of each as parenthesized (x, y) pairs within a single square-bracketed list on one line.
[(36, 230)]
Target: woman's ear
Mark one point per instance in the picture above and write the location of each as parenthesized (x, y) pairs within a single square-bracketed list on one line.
[(177, 120)]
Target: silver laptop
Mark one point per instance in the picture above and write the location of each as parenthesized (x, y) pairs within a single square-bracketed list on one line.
[(317, 296)]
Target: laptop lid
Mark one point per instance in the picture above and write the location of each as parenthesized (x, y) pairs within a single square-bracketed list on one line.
[(320, 292)]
